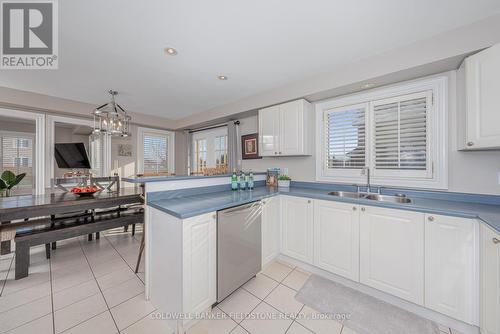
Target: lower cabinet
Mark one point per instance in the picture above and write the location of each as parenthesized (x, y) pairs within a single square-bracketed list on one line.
[(490, 281), (199, 270), (451, 280), (297, 228), (392, 252), (270, 229), (336, 238)]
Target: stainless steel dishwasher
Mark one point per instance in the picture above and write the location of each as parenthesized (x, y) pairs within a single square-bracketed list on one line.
[(239, 250)]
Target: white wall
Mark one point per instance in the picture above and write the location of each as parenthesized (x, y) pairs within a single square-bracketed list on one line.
[(471, 172)]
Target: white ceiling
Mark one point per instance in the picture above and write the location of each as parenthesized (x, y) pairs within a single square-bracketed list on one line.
[(259, 45)]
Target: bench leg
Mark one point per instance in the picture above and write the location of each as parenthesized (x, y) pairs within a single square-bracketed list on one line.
[(54, 245), (133, 229), (125, 228), (90, 237), (97, 235), (5, 247), (47, 251), (22, 259)]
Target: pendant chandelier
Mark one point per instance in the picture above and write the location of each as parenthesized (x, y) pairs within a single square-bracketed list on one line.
[(111, 118)]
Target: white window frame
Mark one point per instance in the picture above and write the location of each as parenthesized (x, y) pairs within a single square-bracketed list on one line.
[(141, 131), (437, 136)]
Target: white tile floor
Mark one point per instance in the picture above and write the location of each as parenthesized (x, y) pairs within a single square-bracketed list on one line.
[(90, 287), (86, 287)]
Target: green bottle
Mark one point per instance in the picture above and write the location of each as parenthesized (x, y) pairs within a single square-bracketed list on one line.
[(243, 181), (234, 181)]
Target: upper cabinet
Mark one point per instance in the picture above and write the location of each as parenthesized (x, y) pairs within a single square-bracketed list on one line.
[(284, 130), (480, 85)]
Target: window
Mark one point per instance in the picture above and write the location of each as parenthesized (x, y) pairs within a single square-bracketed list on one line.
[(200, 155), (16, 155), (155, 152), (221, 151), (209, 150), (21, 162), (399, 133), (21, 143)]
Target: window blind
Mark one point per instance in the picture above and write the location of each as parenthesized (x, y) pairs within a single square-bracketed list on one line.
[(345, 128), (155, 153), (401, 132)]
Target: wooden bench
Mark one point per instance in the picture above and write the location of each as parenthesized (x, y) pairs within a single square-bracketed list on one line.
[(44, 231)]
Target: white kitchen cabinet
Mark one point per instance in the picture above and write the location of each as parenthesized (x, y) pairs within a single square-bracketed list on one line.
[(336, 238), (481, 116), (269, 131), (490, 281), (284, 130), (451, 266), (199, 263), (182, 264), (297, 228), (392, 252), (270, 229)]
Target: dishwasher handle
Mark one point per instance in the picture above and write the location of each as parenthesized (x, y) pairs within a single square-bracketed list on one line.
[(241, 209)]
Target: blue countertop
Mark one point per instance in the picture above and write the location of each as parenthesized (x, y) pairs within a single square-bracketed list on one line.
[(196, 204), (145, 179)]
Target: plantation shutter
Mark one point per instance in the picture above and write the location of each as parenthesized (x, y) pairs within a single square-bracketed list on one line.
[(155, 153), (346, 137), (400, 132)]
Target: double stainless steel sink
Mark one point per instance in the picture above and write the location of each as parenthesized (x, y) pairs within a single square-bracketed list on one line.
[(370, 196)]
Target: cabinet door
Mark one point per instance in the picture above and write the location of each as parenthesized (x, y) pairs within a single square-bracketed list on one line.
[(199, 263), (451, 247), (292, 128), (297, 228), (490, 281), (269, 131), (336, 238), (392, 252), (270, 229), (482, 72)]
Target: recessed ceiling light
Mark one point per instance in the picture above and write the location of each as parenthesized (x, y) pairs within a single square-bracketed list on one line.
[(171, 51), (222, 77), (368, 85)]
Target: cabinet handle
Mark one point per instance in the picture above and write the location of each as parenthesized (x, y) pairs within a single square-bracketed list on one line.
[(309, 201), (280, 152), (430, 218), (363, 209), (275, 153), (354, 208), (214, 216), (263, 202), (470, 143), (496, 241)]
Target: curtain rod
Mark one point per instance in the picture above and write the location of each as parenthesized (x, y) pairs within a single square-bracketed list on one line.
[(211, 127)]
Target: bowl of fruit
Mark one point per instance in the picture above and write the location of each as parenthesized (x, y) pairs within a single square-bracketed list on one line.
[(85, 190)]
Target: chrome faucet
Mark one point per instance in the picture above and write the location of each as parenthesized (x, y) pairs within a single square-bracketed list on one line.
[(366, 170)]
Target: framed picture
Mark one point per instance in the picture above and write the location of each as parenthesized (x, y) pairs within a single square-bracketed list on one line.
[(250, 146)]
